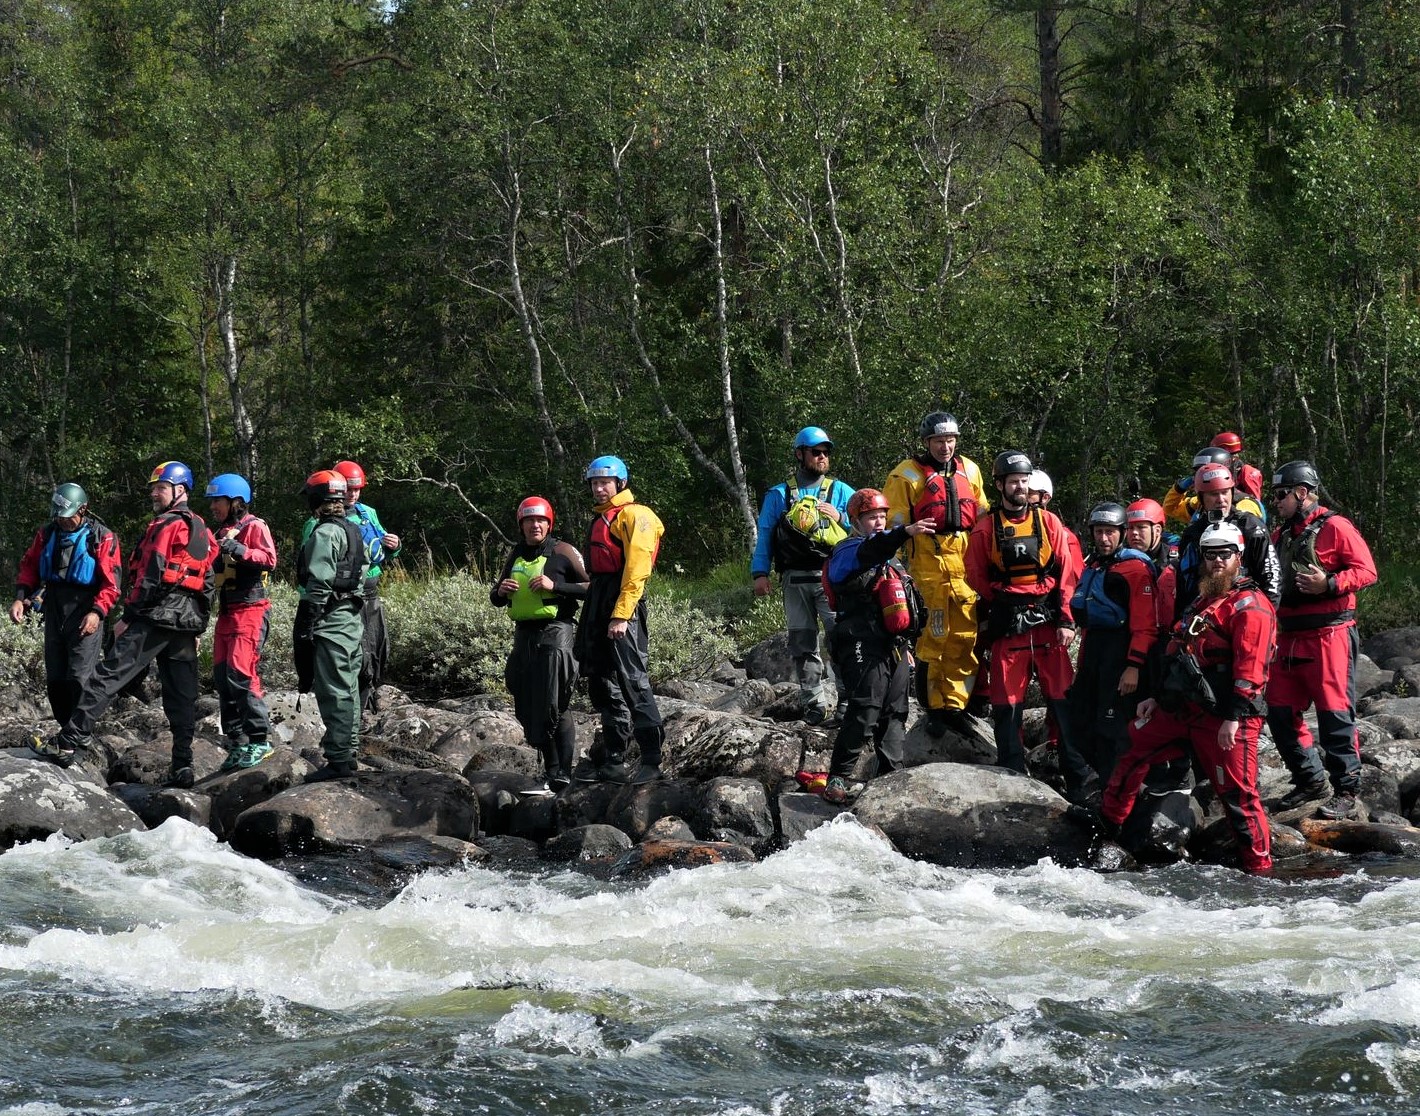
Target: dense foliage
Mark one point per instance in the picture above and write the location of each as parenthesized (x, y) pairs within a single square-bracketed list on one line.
[(472, 243)]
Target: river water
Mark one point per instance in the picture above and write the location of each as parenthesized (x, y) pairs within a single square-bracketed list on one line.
[(160, 972)]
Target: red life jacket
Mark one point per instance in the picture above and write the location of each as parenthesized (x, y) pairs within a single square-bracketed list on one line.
[(606, 554), (186, 566), (946, 499)]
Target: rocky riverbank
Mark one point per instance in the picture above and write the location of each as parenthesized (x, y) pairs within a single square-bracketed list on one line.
[(449, 782)]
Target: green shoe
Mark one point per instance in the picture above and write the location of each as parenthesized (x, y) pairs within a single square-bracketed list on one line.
[(254, 753), (234, 759)]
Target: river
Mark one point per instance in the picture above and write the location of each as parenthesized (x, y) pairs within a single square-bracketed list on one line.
[(160, 972)]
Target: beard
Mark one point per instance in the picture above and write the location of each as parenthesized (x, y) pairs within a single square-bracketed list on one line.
[(1216, 584)]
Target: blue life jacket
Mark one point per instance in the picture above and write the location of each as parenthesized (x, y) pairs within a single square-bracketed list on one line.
[(1095, 608), (82, 545)]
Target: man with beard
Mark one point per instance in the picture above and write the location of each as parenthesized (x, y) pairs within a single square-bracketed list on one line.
[(1209, 699), (1021, 563), (1214, 486), (800, 522), (940, 485), (1324, 562)]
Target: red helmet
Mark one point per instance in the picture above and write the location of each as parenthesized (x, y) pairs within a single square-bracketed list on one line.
[(351, 471), (1213, 478), (866, 500), (536, 506), (1229, 441), (1149, 511), (325, 485)]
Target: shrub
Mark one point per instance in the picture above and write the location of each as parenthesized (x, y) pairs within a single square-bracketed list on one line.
[(22, 653), (446, 637)]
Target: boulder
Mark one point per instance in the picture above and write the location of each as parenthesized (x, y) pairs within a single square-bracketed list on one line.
[(703, 744), (735, 804), (1394, 716), (1357, 837), (499, 793), (770, 660), (688, 689), (976, 746), (634, 809), (586, 842), (295, 719), (1380, 790), (419, 854), (38, 799), (156, 805), (964, 816), (504, 851), (150, 761), (336, 815), (799, 813), (232, 792), (1395, 648), (488, 741), (669, 828), (749, 698), (1371, 678)]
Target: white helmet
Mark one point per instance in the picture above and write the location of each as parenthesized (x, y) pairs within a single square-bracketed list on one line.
[(1040, 482), (1216, 536)]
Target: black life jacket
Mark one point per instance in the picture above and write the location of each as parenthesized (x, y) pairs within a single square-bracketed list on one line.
[(240, 583), (795, 550), (1021, 557), (348, 581), (1298, 549)]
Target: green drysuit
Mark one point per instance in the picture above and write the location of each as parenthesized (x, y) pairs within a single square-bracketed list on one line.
[(338, 632)]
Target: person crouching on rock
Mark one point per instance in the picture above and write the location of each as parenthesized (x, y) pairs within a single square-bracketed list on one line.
[(542, 581), (873, 600), (1210, 697), (331, 575)]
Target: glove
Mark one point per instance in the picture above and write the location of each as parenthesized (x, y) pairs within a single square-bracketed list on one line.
[(1185, 483), (232, 548), (304, 633)]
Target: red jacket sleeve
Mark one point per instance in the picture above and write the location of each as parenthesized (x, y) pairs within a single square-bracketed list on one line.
[(978, 557), (1070, 558), (255, 535), (1143, 615), (109, 562), (27, 580), (1253, 629), (1343, 554)]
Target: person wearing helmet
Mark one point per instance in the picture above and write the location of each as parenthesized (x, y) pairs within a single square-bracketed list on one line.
[(876, 659), (1114, 607), (1213, 485), (612, 645), (1181, 503), (1021, 563), (541, 584), (1325, 562), (381, 547), (74, 561), (246, 556), (165, 610), (800, 522), (1144, 531), (944, 486), (1209, 699), (1042, 492), (331, 572), (1249, 478)]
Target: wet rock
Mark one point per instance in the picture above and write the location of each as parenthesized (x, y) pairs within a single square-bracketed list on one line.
[(232, 792), (534, 818), (1288, 842), (653, 857), (38, 799), (499, 792), (737, 804), (669, 828), (369, 807), (419, 854), (503, 850), (1358, 837), (586, 842), (799, 813), (585, 804), (1161, 825), (1110, 857), (963, 816), (156, 805), (634, 809)]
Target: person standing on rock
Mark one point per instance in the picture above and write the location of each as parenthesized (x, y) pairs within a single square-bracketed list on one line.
[(1214, 486), (1113, 605), (612, 645), (331, 573), (1022, 564), (872, 638), (1325, 561), (165, 610), (800, 522), (74, 560), (1210, 699), (945, 487), (541, 584), (246, 557)]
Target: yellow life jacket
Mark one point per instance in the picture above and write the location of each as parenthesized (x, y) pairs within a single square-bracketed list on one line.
[(1021, 555), (530, 604)]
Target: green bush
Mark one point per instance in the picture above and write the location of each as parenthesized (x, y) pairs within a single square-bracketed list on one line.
[(22, 653), (1393, 602), (446, 637)]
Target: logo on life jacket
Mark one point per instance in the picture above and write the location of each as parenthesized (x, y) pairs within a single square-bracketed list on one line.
[(1022, 552)]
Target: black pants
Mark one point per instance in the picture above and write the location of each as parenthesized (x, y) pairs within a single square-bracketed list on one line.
[(1099, 713), (69, 658), (876, 677), (142, 644), (541, 676), (620, 688), (375, 647)]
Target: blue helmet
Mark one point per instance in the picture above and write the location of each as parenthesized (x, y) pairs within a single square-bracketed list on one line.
[(811, 436), (172, 472), (608, 466), (229, 485)]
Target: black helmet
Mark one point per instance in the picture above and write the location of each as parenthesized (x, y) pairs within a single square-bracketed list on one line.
[(1294, 473), (1012, 461), (1211, 455), (937, 423), (1107, 515)]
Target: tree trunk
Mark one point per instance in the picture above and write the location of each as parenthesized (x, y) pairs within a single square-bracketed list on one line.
[(225, 277), (1052, 108)]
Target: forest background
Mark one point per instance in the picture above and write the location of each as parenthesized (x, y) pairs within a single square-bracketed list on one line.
[(474, 244)]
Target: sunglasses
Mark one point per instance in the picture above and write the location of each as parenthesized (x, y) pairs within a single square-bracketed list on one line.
[(1218, 555), (820, 451), (1280, 494)]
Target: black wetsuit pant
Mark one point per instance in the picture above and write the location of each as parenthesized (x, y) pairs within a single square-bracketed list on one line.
[(877, 677)]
